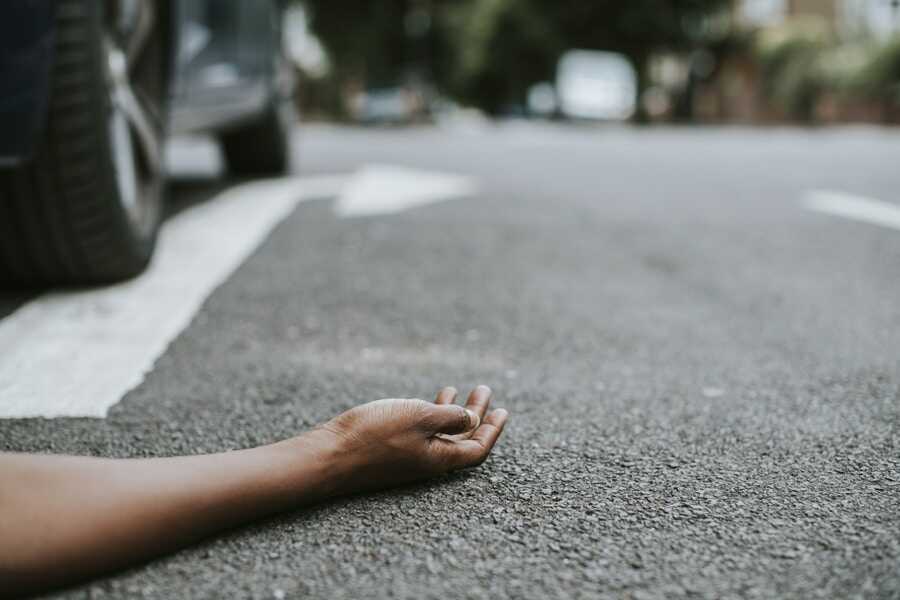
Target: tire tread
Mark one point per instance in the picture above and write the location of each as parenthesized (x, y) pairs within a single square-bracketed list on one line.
[(59, 220)]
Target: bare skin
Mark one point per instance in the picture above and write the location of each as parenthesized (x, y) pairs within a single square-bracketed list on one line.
[(67, 518)]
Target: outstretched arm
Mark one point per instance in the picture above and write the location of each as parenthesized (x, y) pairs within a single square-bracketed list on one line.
[(64, 518)]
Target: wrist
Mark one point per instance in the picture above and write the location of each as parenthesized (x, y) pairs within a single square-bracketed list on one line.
[(320, 463)]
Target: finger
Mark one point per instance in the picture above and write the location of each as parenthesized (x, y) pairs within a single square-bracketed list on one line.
[(446, 396), (479, 400), (451, 419), (475, 450), (478, 403), (491, 428)]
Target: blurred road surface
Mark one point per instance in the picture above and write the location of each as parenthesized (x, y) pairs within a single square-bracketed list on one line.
[(702, 373)]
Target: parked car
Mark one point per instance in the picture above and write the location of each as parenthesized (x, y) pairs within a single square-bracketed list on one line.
[(88, 91), (386, 106)]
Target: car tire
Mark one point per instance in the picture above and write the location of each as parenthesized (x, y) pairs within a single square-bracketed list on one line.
[(262, 146), (86, 207)]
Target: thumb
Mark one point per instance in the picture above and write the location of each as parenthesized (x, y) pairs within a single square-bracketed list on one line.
[(452, 419)]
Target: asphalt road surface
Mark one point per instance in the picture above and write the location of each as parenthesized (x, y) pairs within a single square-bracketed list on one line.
[(702, 373)]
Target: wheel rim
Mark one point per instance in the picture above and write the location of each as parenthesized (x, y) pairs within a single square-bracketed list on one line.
[(133, 124)]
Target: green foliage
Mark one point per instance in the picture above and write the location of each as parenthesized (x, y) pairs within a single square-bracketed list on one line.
[(840, 67), (502, 47), (507, 45), (488, 52), (789, 59), (364, 39), (802, 60), (880, 77)]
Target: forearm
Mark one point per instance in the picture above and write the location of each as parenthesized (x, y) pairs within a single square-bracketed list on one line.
[(67, 516)]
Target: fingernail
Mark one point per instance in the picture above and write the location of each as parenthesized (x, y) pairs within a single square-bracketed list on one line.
[(474, 420), (484, 389)]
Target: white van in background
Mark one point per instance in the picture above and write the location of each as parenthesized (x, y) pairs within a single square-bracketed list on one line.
[(596, 85)]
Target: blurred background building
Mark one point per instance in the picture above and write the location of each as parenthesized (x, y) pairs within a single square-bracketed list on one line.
[(749, 61)]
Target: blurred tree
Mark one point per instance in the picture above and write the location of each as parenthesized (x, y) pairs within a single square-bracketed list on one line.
[(364, 39), (501, 48), (383, 43), (488, 52), (507, 45), (878, 79), (788, 56)]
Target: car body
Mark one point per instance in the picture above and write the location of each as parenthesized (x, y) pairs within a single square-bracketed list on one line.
[(220, 72), (88, 91), (26, 52), (392, 105), (226, 63)]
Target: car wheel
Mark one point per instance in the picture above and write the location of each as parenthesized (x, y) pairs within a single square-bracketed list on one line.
[(86, 208), (262, 146)]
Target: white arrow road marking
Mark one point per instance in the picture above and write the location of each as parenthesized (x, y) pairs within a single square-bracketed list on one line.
[(75, 354), (383, 189), (853, 207)]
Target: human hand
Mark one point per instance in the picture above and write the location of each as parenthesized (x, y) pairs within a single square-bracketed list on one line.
[(389, 442), (108, 513)]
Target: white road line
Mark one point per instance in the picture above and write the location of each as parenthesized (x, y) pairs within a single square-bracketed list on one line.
[(75, 354), (384, 189), (857, 208)]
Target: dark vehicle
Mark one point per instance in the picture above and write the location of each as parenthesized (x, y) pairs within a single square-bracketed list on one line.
[(88, 91)]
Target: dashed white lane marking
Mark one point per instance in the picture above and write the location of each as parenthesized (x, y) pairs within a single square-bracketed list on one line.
[(384, 189), (857, 208), (75, 354)]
